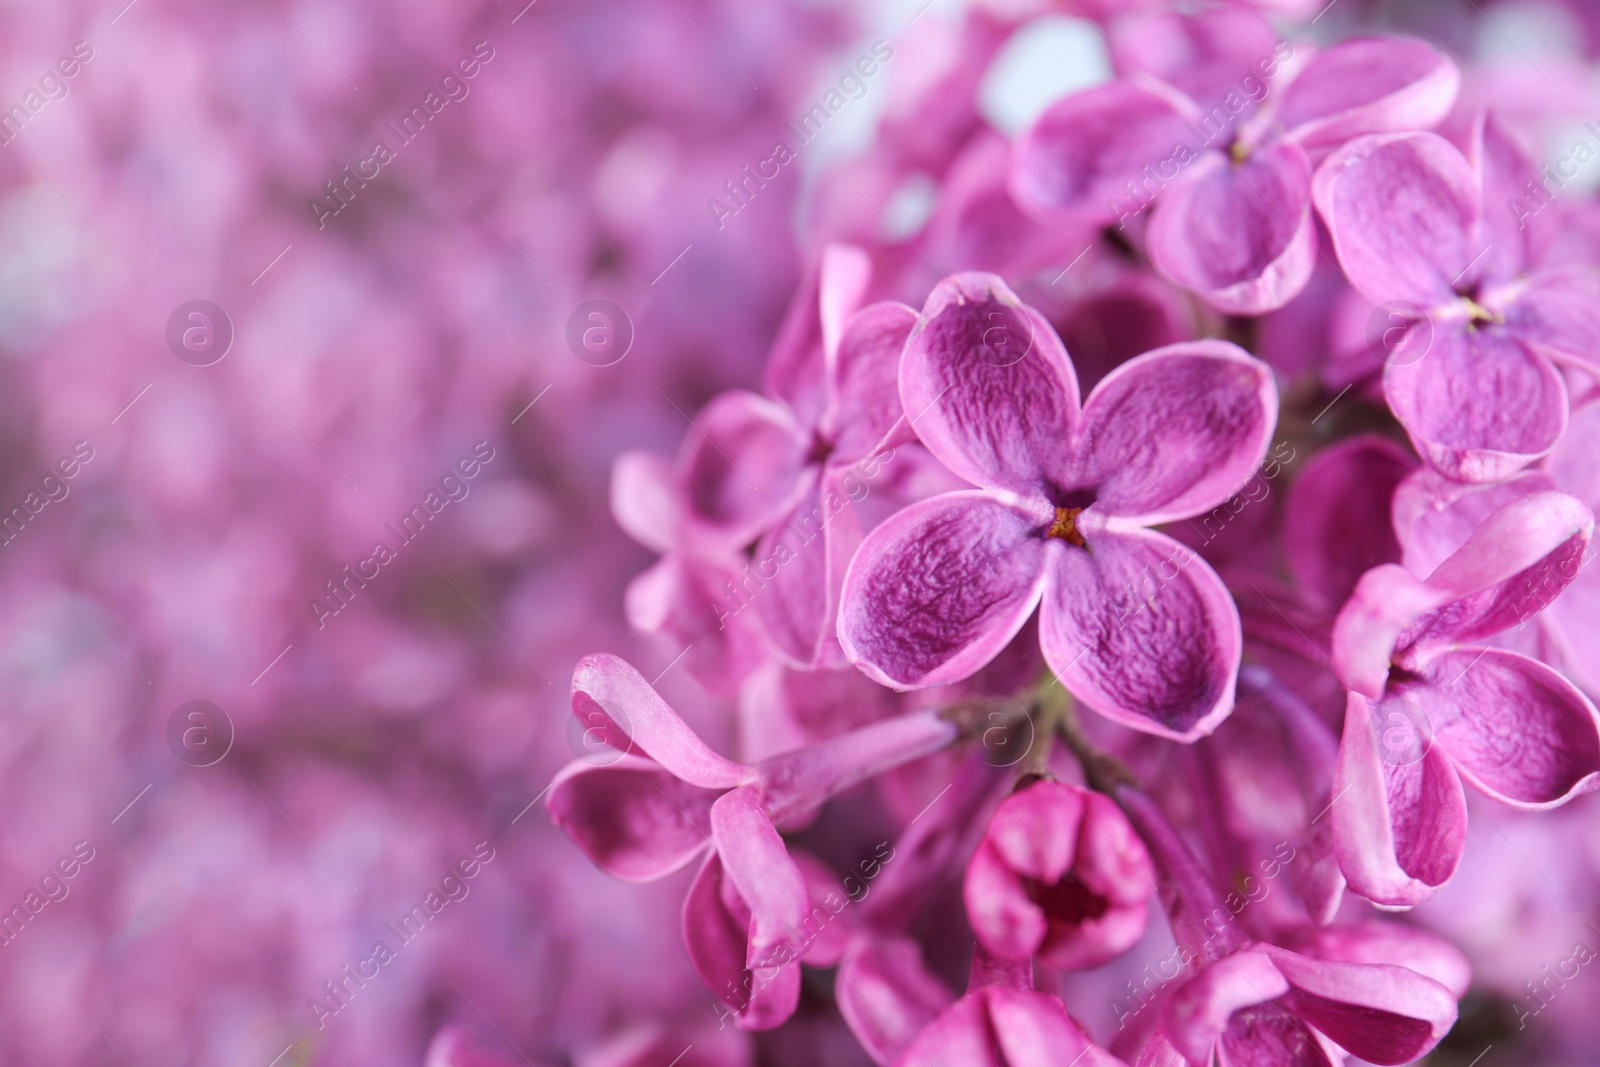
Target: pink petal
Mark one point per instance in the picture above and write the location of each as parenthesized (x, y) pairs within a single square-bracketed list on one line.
[(1239, 234), (1385, 602), (1478, 405), (1520, 238), (1382, 1013), (611, 696), (1206, 52), (1197, 1012), (1399, 943), (940, 588), (886, 993), (988, 386), (797, 367), (740, 467), (643, 499), (1078, 159), (632, 818), (765, 875), (1558, 314), (1268, 1036), (961, 1037), (866, 375), (1336, 522), (1143, 631), (1369, 85), (1434, 515), (1034, 1030), (1403, 212), (1512, 726), (1177, 431), (1008, 923), (806, 554), (1508, 570), (716, 939), (1399, 829), (1035, 831)]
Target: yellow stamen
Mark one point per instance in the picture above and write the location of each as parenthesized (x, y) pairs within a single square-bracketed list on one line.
[(1066, 527)]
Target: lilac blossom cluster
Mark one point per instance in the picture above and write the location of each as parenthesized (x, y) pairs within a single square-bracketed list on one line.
[(1077, 582), (1258, 717)]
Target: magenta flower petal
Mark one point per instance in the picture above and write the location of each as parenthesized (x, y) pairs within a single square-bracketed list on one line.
[(808, 556), (797, 367), (1398, 943), (1177, 431), (1402, 209), (1512, 726), (643, 499), (1239, 234), (1010, 925), (1076, 159), (761, 869), (740, 467), (989, 388), (1521, 238), (1558, 314), (996, 1026), (1034, 1030), (1198, 1013), (1386, 601), (610, 697), (1381, 1013), (1399, 828), (1369, 85), (1434, 516), (940, 588), (632, 818), (1479, 405), (1336, 520), (866, 372), (1144, 632), (715, 930), (1515, 563), (886, 993)]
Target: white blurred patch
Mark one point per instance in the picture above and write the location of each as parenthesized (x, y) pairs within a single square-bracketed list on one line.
[(41, 283), (1047, 59), (910, 206), (1529, 30)]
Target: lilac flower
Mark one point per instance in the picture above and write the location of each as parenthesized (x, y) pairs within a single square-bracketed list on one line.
[(1420, 225), (1382, 993), (1429, 706), (644, 816), (1059, 875), (780, 472), (1434, 516), (1004, 1022), (1132, 623), (1230, 176)]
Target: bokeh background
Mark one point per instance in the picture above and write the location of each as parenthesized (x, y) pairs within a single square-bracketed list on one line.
[(347, 760)]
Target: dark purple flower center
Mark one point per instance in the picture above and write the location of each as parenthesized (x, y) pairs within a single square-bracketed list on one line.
[(1068, 901), (1066, 527), (821, 449)]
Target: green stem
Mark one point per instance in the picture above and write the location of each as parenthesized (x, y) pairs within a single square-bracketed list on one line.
[(1101, 770)]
